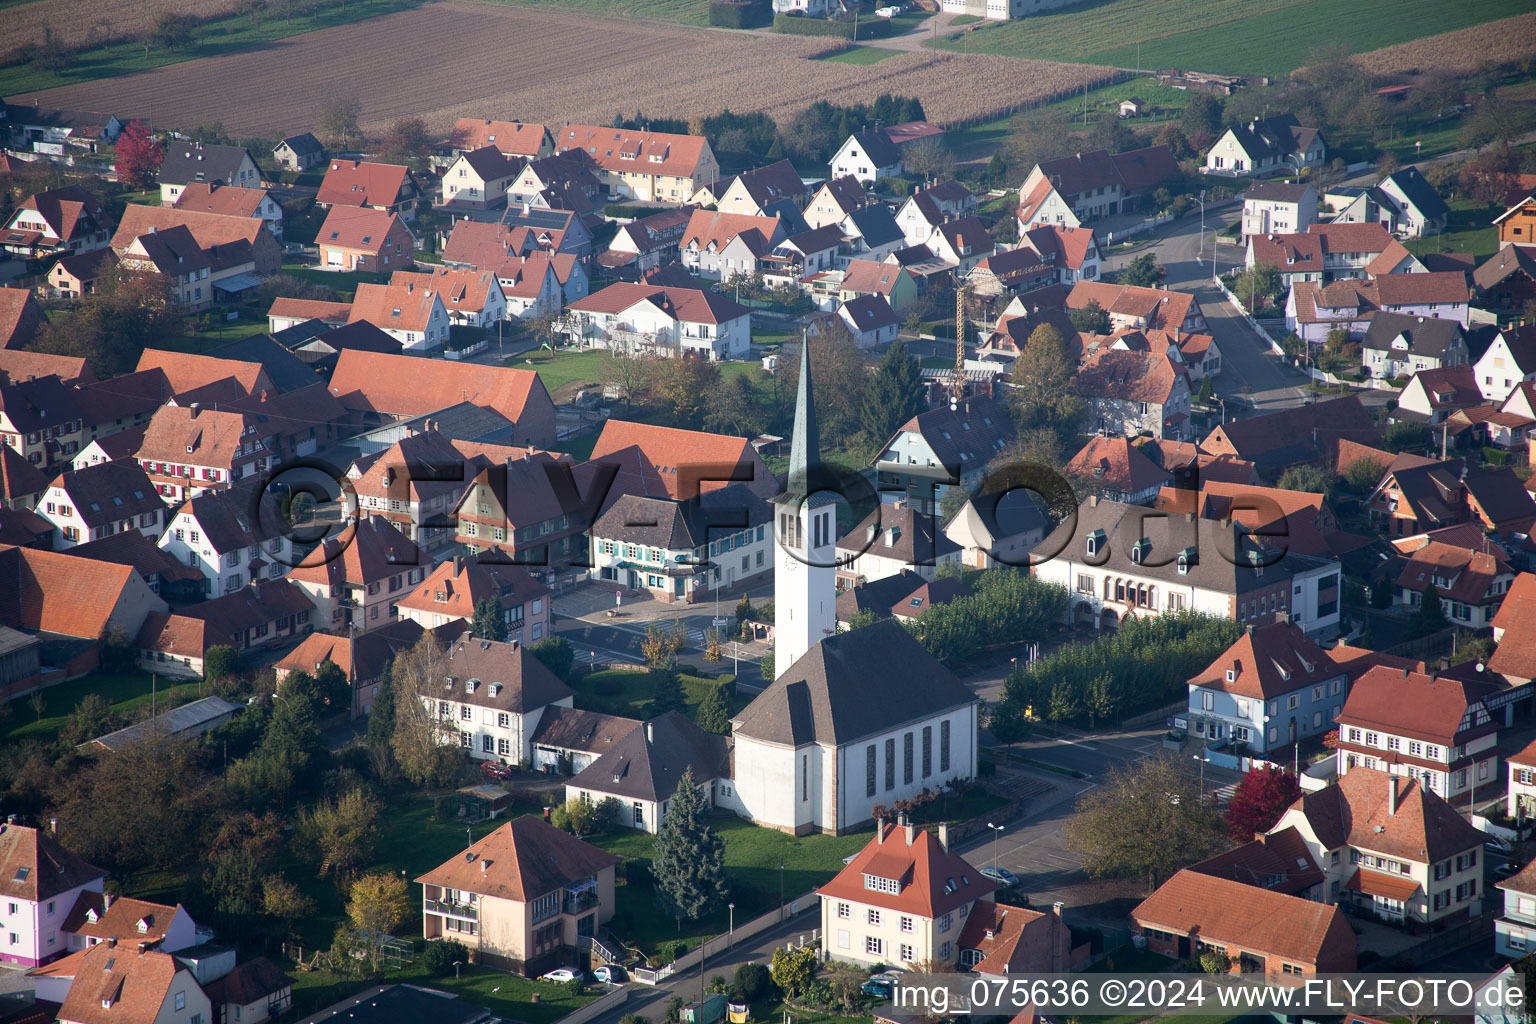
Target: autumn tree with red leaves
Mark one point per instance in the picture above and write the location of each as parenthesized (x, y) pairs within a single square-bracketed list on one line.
[(1259, 800), (139, 155)]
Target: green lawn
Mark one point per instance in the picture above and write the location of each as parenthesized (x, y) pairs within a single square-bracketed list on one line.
[(1468, 230), (861, 55), (979, 141), (1272, 37), (621, 692), (344, 282), (506, 995), (223, 35), (128, 692), (752, 859), (566, 365)]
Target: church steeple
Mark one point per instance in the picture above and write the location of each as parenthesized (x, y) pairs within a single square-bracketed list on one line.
[(805, 442)]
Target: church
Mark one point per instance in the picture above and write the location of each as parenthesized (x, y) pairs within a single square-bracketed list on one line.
[(853, 720)]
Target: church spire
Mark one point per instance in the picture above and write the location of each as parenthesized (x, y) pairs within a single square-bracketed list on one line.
[(805, 443)]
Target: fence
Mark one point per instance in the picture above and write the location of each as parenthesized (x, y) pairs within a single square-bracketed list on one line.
[(1111, 237), (1274, 346), (801, 904), (597, 1007)]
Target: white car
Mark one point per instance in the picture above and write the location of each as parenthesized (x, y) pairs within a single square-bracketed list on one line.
[(609, 975), (561, 974), (887, 12)]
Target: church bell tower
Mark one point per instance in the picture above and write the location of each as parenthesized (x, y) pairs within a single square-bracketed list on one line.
[(805, 521)]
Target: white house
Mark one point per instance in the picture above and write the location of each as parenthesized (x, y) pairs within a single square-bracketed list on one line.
[(220, 534), (632, 318), (680, 551), (478, 179), (492, 697), (870, 319), (866, 156), (1267, 144), (1520, 800), (44, 881), (1509, 360), (470, 298), (1278, 208), (412, 314), (894, 539), (943, 448), (101, 500), (642, 769)]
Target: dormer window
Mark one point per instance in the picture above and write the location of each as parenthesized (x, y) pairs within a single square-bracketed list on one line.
[(1140, 549), (874, 883), (1231, 675), (1187, 558), (470, 685), (1095, 542)]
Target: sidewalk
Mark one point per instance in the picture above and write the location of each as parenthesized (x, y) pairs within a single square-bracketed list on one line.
[(594, 600)]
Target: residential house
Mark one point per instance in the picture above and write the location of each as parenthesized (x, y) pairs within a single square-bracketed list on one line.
[(378, 385), (753, 193), (1436, 730), (1402, 202), (472, 299), (411, 312), (1302, 518), (454, 588), (882, 279), (719, 246), (1469, 582), (265, 614), (853, 697), (230, 201), (631, 319), (1514, 654), (653, 166), (514, 138), (98, 501), (941, 448), (1296, 256), (999, 940), (40, 420), (642, 768), (99, 917), (1127, 561), (522, 898), (1315, 310), (236, 247), (893, 539), (107, 983), (647, 242), (870, 232), (905, 596), (1517, 224), (874, 153), (1266, 145), (1089, 186), (1308, 433), (40, 886), (60, 221), (1507, 279), (285, 313), (1131, 393), (835, 200), (1011, 271), (1272, 688), (386, 188), (927, 208), (906, 899), (299, 153), (550, 231), (187, 450), (527, 511), (1260, 930), (683, 550), (1278, 208), (74, 277), (365, 239), (357, 584), (253, 992), (1390, 847), (223, 535), (69, 599), (870, 319), (197, 163), (1072, 252), (165, 576), (1141, 308), (1117, 470), (492, 697), (688, 462), (1508, 361), (174, 255), (1400, 344), (568, 740), (362, 657), (1520, 798), (478, 179), (1278, 861), (1515, 930), (997, 528), (964, 242), (21, 483)]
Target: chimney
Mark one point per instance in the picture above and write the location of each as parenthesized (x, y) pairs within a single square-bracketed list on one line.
[(106, 901), (944, 836), (195, 409), (484, 864), (650, 733), (880, 829), (1093, 500), (1056, 907), (53, 826), (911, 833), (1391, 796)]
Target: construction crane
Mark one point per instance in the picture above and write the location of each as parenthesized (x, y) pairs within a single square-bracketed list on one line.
[(957, 378)]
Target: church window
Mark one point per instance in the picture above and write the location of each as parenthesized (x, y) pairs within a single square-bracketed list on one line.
[(906, 759), (869, 770), (805, 776), (890, 764), (927, 751), (944, 746)]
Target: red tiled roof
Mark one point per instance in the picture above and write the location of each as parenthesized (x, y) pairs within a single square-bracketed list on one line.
[(1412, 704), (336, 313), (65, 209), (636, 152), (1269, 661), (19, 364), (1354, 811), (187, 371), (1015, 940), (401, 307), (411, 385), (520, 861), (1163, 310), (119, 985), (222, 199), (459, 288), (514, 138), (360, 228), (209, 229), (1113, 463), (362, 183), (672, 451), (94, 918), (20, 316), (933, 880), (35, 866), (53, 592), (689, 305)]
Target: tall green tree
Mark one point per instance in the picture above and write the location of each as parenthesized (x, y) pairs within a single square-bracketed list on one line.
[(689, 863), (1145, 820), (666, 689), (1042, 376), (714, 713), (893, 395), (1091, 319), (1430, 618), (489, 622), (381, 718), (1143, 272)]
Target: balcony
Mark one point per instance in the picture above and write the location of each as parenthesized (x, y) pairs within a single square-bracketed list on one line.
[(580, 897), (464, 910)]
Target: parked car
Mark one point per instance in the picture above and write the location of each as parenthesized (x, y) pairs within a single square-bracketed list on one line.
[(1505, 870), (887, 12), (495, 770), (882, 985), (610, 974), (561, 974), (1002, 875)]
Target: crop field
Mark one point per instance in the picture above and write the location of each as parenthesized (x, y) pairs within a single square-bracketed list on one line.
[(1508, 39), (489, 60), (1271, 37)]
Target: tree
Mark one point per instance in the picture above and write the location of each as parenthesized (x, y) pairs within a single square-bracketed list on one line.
[(1172, 136), (556, 654), (714, 714), (893, 395), (839, 377), (285, 901), (1261, 281), (928, 158), (1101, 698), (575, 816), (490, 623), (662, 642), (127, 312), (439, 956), (1430, 618), (138, 155), (1363, 475), (381, 719), (1259, 800), (1311, 479), (340, 831), (377, 906), (1146, 820), (732, 406), (1143, 272), (1042, 376), (173, 31), (683, 385), (1215, 961), (951, 501), (997, 169), (339, 120), (753, 981), (689, 864), (1201, 119), (406, 140), (1091, 319), (418, 738), (765, 667), (630, 376), (1008, 724), (666, 690), (793, 968)]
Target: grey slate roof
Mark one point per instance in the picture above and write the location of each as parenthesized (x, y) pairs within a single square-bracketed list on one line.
[(188, 162), (304, 144), (109, 492), (680, 525), (648, 762), (575, 729), (521, 681), (1427, 335), (878, 146), (1276, 191), (979, 427), (1420, 192), (899, 532), (850, 686), (875, 225), (286, 371)]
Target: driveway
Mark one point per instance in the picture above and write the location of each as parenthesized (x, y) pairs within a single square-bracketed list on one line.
[(916, 38)]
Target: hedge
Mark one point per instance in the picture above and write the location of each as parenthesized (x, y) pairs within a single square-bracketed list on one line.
[(803, 26), (740, 13)]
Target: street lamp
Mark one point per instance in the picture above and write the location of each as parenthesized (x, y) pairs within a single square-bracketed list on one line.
[(781, 890), (995, 830), (731, 934), (1202, 759)]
